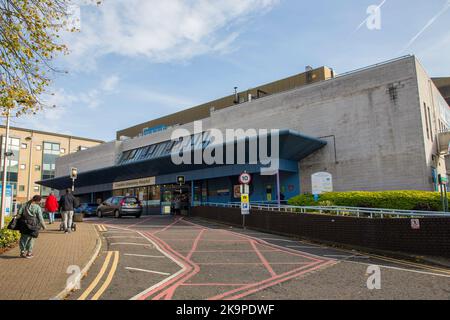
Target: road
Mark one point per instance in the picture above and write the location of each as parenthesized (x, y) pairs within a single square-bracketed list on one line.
[(163, 258)]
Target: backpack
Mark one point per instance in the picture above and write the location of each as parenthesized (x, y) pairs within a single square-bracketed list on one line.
[(29, 224)]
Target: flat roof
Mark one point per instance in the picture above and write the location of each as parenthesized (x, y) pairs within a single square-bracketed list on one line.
[(52, 134)]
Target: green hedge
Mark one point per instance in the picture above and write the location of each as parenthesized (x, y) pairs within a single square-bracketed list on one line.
[(402, 200), (8, 237)]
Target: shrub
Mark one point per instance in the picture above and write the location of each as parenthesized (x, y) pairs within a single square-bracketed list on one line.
[(401, 200), (8, 237)]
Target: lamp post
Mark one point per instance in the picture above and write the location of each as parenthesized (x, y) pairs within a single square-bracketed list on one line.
[(30, 166), (6, 154)]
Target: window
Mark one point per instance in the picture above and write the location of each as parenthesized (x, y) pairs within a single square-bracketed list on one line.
[(12, 161), (23, 166), (81, 148), (426, 119), (51, 152), (169, 146), (21, 188), (430, 124), (24, 146)]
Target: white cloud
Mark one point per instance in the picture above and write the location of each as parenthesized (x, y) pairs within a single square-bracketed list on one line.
[(61, 103), (51, 118), (161, 31), (110, 83)]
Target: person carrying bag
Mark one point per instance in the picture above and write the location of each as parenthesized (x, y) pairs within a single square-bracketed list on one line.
[(29, 222)]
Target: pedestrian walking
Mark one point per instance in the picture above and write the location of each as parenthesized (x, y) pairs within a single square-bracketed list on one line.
[(67, 205), (30, 221), (51, 206)]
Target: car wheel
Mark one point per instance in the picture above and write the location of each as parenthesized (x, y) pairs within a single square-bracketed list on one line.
[(138, 216), (99, 213), (117, 214)]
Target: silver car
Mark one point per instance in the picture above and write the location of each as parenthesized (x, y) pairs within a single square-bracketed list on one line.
[(119, 207)]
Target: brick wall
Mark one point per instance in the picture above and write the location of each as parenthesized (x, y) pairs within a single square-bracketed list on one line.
[(432, 239)]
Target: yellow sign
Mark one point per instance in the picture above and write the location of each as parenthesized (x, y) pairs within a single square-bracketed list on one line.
[(245, 198), (143, 182)]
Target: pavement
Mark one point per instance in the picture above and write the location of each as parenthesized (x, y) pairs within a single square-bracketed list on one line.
[(46, 275), (173, 258)]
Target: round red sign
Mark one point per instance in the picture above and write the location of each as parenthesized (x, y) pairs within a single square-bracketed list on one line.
[(245, 178)]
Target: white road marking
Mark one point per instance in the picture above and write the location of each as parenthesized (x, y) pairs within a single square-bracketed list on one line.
[(148, 271), (130, 243), (275, 239), (119, 232), (397, 268), (345, 256), (183, 268), (307, 247), (124, 237), (142, 255)]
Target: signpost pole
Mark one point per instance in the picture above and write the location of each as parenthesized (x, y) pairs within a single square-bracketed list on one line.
[(278, 189), (244, 180), (445, 197), (5, 169)]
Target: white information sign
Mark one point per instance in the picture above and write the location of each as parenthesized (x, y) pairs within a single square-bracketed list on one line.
[(321, 182)]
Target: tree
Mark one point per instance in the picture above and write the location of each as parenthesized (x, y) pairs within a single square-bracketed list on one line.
[(29, 41)]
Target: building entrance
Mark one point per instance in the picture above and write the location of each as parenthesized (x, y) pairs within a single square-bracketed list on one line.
[(175, 199)]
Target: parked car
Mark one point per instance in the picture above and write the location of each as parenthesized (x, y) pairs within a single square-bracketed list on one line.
[(119, 207), (89, 209)]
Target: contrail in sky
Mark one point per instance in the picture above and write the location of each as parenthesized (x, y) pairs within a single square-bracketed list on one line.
[(432, 20), (365, 20)]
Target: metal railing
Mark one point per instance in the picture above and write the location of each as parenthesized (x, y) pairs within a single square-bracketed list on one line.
[(333, 210)]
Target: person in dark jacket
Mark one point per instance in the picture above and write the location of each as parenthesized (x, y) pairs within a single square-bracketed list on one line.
[(67, 205), (31, 221)]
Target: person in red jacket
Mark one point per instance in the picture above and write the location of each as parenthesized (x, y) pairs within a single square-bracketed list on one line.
[(51, 206)]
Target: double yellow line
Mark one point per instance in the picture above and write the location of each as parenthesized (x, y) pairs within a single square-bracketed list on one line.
[(100, 275), (101, 228)]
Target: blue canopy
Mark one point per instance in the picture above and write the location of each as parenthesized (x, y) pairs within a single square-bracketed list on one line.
[(293, 146)]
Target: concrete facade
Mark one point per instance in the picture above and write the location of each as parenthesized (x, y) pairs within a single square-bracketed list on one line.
[(375, 121), (29, 156)]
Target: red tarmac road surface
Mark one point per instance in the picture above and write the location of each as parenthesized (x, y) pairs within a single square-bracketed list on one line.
[(201, 249), (163, 258)]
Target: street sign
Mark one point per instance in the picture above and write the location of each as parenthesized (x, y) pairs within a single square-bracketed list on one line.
[(321, 182), (245, 204), (245, 178), (181, 180), (8, 199), (415, 224), (443, 179), (245, 209), (244, 189)]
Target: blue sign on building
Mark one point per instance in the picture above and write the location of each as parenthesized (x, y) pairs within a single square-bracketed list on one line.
[(152, 130)]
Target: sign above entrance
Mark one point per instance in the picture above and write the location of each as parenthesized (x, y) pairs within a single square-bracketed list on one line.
[(245, 178), (143, 182)]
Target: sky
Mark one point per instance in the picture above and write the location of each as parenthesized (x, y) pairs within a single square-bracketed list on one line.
[(137, 60)]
